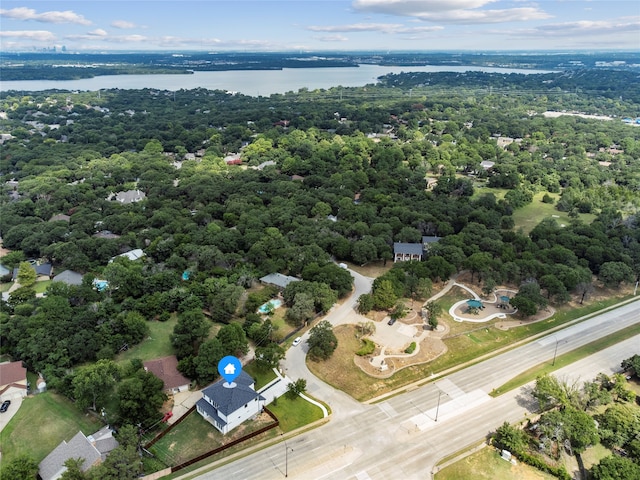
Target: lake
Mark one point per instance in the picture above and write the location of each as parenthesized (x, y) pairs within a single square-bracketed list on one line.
[(249, 82)]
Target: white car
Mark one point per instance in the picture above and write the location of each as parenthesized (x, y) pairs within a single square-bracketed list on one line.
[(296, 341)]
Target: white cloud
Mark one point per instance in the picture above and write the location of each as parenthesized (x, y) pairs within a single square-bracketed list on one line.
[(98, 32), (123, 24), (177, 42), (486, 16), (108, 38), (25, 14), (373, 27), (410, 8), (450, 11), (36, 35), (333, 38), (586, 27)]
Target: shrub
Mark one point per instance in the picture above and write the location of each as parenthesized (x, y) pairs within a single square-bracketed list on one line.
[(411, 348), (367, 348)]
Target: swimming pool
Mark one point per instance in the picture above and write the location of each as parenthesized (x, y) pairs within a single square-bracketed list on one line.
[(275, 303)]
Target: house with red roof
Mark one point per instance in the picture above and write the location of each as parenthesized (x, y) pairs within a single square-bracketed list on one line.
[(166, 369), (13, 380)]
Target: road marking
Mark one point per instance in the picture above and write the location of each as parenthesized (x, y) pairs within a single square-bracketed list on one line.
[(363, 476), (388, 409), (450, 388)]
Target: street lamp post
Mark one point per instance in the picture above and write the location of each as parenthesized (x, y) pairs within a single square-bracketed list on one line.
[(555, 352), (440, 392), (286, 458)]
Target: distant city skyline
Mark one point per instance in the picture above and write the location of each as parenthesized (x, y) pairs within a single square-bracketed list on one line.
[(319, 25)]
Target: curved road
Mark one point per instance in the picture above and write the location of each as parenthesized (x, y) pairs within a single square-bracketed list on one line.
[(406, 435), (295, 366)]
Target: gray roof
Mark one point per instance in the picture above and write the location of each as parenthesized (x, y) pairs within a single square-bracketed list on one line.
[(430, 239), (278, 279), (407, 248), (228, 400), (103, 441), (78, 447), (4, 271), (69, 277), (42, 269)]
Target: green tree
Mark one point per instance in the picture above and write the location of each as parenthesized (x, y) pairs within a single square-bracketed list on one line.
[(269, 356), (612, 274), (322, 341), (123, 462), (615, 467), (233, 339), (399, 311), (365, 303), (206, 363), (296, 388), (93, 384), (510, 438), (74, 470), (384, 296), (366, 328), (302, 310), (21, 467), (434, 310), (26, 275), (190, 330), (140, 398), (632, 363)]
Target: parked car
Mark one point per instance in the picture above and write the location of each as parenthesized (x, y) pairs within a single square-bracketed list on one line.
[(296, 341), (391, 321), (5, 406)]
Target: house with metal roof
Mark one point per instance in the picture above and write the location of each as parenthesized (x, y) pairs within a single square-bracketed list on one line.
[(404, 252), (132, 255), (227, 405), (278, 279)]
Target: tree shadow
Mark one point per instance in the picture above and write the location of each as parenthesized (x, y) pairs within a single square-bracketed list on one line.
[(526, 399)]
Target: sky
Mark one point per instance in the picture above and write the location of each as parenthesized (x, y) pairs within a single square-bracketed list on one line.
[(319, 25)]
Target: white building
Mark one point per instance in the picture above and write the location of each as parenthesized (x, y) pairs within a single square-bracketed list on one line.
[(226, 405)]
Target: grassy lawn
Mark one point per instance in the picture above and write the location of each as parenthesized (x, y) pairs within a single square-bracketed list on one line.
[(568, 358), (282, 328), (294, 413), (157, 344), (531, 215), (260, 376), (41, 286), (195, 436), (41, 423), (487, 464)]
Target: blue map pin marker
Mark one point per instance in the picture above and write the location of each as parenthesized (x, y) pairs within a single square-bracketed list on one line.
[(229, 368)]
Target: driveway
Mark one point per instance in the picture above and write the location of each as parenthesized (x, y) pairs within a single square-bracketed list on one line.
[(8, 415)]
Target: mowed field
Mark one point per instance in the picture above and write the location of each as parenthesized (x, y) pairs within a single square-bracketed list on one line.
[(527, 217)]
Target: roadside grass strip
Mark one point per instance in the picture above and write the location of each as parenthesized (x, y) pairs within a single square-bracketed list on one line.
[(567, 359)]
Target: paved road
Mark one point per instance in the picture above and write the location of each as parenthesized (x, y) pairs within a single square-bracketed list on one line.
[(295, 366), (404, 436)]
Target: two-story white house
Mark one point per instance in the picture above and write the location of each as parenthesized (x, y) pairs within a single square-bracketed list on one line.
[(227, 405)]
